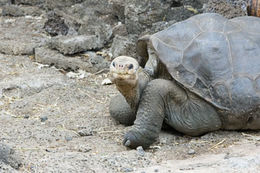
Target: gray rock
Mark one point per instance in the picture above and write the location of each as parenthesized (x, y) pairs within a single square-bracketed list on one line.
[(100, 29), (4, 2), (68, 138), (191, 152), (20, 36), (85, 132), (140, 15), (47, 56), (12, 10), (26, 117), (51, 4), (123, 46), (127, 170), (29, 2), (75, 44), (43, 118), (9, 157), (15, 10), (140, 151), (55, 25), (225, 8), (120, 29), (92, 18)]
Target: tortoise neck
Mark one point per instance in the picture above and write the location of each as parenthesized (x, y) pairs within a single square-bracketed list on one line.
[(132, 93)]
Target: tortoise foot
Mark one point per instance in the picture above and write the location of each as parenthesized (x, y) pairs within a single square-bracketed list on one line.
[(134, 139)]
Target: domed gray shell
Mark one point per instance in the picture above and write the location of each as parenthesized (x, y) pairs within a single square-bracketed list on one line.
[(216, 58)]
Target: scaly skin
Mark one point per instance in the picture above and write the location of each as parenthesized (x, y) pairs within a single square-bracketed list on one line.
[(153, 101), (125, 73)]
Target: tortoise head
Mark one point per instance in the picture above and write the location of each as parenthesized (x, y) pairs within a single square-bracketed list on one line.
[(123, 70)]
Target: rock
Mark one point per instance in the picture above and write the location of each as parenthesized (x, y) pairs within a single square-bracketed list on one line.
[(84, 149), (101, 30), (51, 4), (78, 75), (158, 26), (191, 152), (26, 117), (52, 57), (75, 44), (28, 2), (4, 2), (20, 36), (127, 170), (86, 132), (9, 157), (43, 118), (15, 10), (12, 10), (123, 46), (47, 56), (120, 29), (224, 8), (140, 15), (118, 10), (93, 18), (68, 138), (106, 82), (55, 25), (140, 151)]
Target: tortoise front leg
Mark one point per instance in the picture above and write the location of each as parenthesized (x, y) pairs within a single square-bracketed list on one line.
[(182, 110), (150, 114)]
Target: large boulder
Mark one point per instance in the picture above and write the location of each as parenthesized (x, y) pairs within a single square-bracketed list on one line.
[(140, 15), (20, 36), (89, 62), (69, 45), (123, 46)]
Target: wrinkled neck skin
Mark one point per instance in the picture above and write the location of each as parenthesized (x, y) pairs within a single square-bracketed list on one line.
[(132, 93)]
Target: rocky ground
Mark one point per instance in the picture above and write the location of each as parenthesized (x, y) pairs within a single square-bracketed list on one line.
[(54, 109)]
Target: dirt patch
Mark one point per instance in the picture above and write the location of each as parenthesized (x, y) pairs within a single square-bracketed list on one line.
[(43, 115)]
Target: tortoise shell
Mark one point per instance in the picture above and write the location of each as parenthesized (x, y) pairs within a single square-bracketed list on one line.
[(215, 58)]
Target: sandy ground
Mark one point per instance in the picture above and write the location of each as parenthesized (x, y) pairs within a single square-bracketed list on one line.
[(59, 124), (56, 123)]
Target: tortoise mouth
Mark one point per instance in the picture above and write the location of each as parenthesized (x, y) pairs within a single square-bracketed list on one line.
[(122, 76)]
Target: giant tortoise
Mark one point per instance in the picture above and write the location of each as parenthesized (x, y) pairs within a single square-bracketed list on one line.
[(200, 75)]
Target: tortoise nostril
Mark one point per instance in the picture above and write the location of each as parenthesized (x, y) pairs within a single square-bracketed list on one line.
[(131, 66)]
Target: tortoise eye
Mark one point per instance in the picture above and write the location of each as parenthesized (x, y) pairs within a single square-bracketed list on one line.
[(131, 66), (114, 64)]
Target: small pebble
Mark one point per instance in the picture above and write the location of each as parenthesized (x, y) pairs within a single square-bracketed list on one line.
[(85, 132), (140, 151), (191, 152), (106, 82), (127, 170), (26, 117), (156, 170), (84, 149), (43, 118), (68, 138)]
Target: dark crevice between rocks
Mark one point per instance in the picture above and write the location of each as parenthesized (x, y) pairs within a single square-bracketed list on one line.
[(176, 4)]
